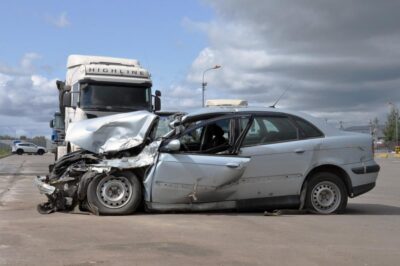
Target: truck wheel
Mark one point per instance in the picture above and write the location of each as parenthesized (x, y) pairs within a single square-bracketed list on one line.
[(20, 151), (326, 194), (116, 194), (40, 152)]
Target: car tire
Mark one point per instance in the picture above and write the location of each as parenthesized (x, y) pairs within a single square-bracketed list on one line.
[(40, 152), (116, 194), (326, 194), (20, 151)]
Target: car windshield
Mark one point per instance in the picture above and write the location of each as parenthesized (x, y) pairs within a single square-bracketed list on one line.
[(116, 97), (163, 125)]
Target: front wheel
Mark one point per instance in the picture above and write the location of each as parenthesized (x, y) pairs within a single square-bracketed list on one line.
[(116, 194), (326, 194), (40, 152)]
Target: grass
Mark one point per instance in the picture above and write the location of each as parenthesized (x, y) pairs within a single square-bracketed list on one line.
[(4, 152)]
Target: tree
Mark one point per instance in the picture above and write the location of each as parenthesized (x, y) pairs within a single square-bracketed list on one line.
[(390, 125)]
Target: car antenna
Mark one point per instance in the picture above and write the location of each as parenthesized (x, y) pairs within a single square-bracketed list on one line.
[(273, 106)]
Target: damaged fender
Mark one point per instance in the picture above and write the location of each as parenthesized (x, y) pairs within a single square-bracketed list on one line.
[(111, 133)]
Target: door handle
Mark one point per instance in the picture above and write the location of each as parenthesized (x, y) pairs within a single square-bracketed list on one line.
[(299, 151), (232, 165)]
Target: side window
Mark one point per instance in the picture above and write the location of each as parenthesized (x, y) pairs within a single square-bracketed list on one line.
[(210, 138), (307, 130), (75, 94), (255, 133), (265, 130)]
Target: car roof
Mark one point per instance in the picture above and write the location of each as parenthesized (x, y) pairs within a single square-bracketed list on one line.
[(318, 122)]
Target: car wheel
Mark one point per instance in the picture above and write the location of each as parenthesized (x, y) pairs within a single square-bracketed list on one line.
[(116, 194), (326, 194), (20, 151), (40, 152)]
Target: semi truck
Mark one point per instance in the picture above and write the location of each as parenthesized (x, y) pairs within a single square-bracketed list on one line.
[(97, 86)]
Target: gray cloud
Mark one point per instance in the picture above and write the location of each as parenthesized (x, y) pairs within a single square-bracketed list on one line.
[(340, 59)]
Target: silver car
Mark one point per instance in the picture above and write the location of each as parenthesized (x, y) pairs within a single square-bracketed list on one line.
[(212, 159)]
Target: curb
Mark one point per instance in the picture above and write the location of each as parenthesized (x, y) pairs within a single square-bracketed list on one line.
[(387, 155)]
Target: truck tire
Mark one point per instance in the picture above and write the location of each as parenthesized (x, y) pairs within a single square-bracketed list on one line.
[(326, 194), (20, 151), (40, 152), (116, 194)]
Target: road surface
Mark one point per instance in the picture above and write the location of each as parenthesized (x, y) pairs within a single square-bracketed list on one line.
[(368, 234)]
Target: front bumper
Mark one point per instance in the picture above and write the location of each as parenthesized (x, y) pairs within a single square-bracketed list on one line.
[(43, 187)]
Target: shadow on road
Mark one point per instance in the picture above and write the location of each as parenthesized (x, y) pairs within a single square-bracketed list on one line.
[(371, 209)]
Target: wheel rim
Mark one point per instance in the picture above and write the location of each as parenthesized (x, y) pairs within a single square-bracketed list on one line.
[(326, 197), (114, 191)]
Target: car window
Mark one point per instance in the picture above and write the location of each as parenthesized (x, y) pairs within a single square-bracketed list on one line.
[(307, 130), (163, 126), (266, 130), (210, 138)]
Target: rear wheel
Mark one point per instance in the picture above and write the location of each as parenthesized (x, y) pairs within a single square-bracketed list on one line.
[(116, 194), (20, 151), (326, 194)]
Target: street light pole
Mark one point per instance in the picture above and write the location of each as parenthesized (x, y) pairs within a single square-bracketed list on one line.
[(204, 84), (396, 117)]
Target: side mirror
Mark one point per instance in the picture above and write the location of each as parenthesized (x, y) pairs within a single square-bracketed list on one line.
[(158, 93), (67, 99), (52, 123), (173, 145), (157, 103)]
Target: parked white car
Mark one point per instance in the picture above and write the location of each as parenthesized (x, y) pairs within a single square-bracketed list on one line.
[(27, 147), (213, 159)]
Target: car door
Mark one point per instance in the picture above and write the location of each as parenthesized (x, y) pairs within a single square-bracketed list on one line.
[(32, 148), (197, 174), (27, 147), (279, 157)]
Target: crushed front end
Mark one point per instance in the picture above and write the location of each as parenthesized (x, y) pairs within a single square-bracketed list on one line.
[(112, 146)]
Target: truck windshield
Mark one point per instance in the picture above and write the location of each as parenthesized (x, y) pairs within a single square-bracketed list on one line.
[(115, 97)]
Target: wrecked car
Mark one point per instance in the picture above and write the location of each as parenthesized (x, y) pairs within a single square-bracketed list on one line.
[(221, 158)]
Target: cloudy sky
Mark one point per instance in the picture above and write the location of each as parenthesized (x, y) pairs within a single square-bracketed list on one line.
[(338, 59)]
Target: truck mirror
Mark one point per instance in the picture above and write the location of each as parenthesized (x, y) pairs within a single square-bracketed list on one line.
[(52, 123), (67, 99), (158, 93), (157, 103), (60, 85)]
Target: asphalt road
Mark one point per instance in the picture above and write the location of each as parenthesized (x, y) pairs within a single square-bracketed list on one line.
[(368, 234)]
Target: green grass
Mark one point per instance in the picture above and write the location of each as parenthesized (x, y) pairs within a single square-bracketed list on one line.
[(4, 152)]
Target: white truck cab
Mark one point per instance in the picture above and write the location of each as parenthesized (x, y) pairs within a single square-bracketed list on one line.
[(97, 86)]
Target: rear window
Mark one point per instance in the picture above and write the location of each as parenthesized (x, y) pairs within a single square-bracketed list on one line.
[(307, 130), (266, 130)]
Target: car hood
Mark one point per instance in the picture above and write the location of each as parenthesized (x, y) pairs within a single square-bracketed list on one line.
[(111, 133)]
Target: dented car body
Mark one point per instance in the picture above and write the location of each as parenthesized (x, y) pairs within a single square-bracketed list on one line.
[(212, 159)]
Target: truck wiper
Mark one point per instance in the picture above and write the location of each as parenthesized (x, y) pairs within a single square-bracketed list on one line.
[(124, 108)]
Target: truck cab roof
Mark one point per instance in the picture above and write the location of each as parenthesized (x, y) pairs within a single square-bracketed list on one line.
[(77, 60)]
